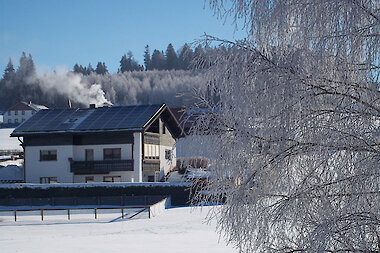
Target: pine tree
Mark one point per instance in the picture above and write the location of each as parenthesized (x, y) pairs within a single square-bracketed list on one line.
[(185, 57), (105, 70), (128, 63), (89, 69), (147, 60), (158, 60), (76, 68), (26, 68), (123, 64), (101, 68), (171, 58), (9, 71)]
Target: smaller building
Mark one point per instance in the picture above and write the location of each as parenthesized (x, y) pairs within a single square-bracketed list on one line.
[(20, 113)]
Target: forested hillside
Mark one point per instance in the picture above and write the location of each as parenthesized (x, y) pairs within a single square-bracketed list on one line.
[(170, 77)]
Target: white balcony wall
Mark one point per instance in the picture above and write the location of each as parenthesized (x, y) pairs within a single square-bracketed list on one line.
[(79, 153)]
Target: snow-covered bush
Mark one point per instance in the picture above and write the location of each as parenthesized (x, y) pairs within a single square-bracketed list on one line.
[(294, 119)]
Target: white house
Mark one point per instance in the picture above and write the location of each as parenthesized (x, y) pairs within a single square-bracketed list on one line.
[(107, 144), (20, 112)]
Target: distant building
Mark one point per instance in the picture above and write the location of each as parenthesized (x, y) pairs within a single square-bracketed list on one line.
[(107, 144), (20, 113)]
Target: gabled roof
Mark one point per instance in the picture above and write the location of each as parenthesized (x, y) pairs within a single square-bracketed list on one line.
[(103, 119), (24, 106)]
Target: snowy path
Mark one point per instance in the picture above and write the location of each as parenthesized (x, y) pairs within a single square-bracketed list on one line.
[(177, 230)]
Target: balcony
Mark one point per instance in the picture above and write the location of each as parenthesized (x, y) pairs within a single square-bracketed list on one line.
[(151, 165), (100, 167)]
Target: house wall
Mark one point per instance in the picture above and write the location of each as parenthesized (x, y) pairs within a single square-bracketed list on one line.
[(167, 164), (167, 142), (35, 169), (126, 176), (12, 118), (79, 153)]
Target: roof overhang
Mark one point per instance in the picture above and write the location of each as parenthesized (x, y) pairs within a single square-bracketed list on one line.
[(170, 120)]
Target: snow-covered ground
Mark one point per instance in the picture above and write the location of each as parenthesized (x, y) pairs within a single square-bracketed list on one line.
[(8, 143), (181, 229)]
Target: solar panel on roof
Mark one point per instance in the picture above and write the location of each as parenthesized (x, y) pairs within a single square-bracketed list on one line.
[(77, 120)]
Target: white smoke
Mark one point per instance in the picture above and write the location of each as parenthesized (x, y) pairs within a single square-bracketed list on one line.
[(71, 86), (174, 88)]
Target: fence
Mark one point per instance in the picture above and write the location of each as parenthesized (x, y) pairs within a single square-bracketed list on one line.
[(126, 212), (72, 201)]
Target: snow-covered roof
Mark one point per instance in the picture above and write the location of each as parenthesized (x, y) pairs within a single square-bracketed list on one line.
[(24, 106)]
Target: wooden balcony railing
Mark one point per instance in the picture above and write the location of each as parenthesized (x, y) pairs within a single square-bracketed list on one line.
[(100, 167)]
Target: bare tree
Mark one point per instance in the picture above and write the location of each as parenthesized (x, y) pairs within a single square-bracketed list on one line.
[(293, 126)]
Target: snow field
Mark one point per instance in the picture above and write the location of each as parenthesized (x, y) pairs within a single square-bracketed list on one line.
[(176, 230), (72, 216), (8, 143)]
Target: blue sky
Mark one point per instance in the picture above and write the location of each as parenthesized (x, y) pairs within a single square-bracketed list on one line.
[(63, 32)]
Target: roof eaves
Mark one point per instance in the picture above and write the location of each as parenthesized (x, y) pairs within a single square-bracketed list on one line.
[(158, 112), (20, 134)]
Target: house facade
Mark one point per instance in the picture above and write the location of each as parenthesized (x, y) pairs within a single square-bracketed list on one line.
[(21, 112), (107, 144)]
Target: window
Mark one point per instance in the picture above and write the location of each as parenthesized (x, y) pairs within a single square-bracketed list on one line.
[(9, 113), (151, 151), (16, 120), (22, 120), (89, 155), (9, 121), (89, 179), (112, 154), (48, 180), (112, 179), (23, 112), (168, 154), (16, 112), (48, 155)]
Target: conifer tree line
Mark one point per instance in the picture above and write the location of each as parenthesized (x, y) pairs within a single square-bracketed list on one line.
[(157, 60), (84, 85)]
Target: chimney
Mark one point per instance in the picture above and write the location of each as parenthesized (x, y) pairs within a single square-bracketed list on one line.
[(69, 103), (93, 106)]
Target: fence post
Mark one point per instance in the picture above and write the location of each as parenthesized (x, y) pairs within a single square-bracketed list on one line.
[(149, 212), (15, 216), (68, 214), (122, 213), (42, 214), (96, 213)]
